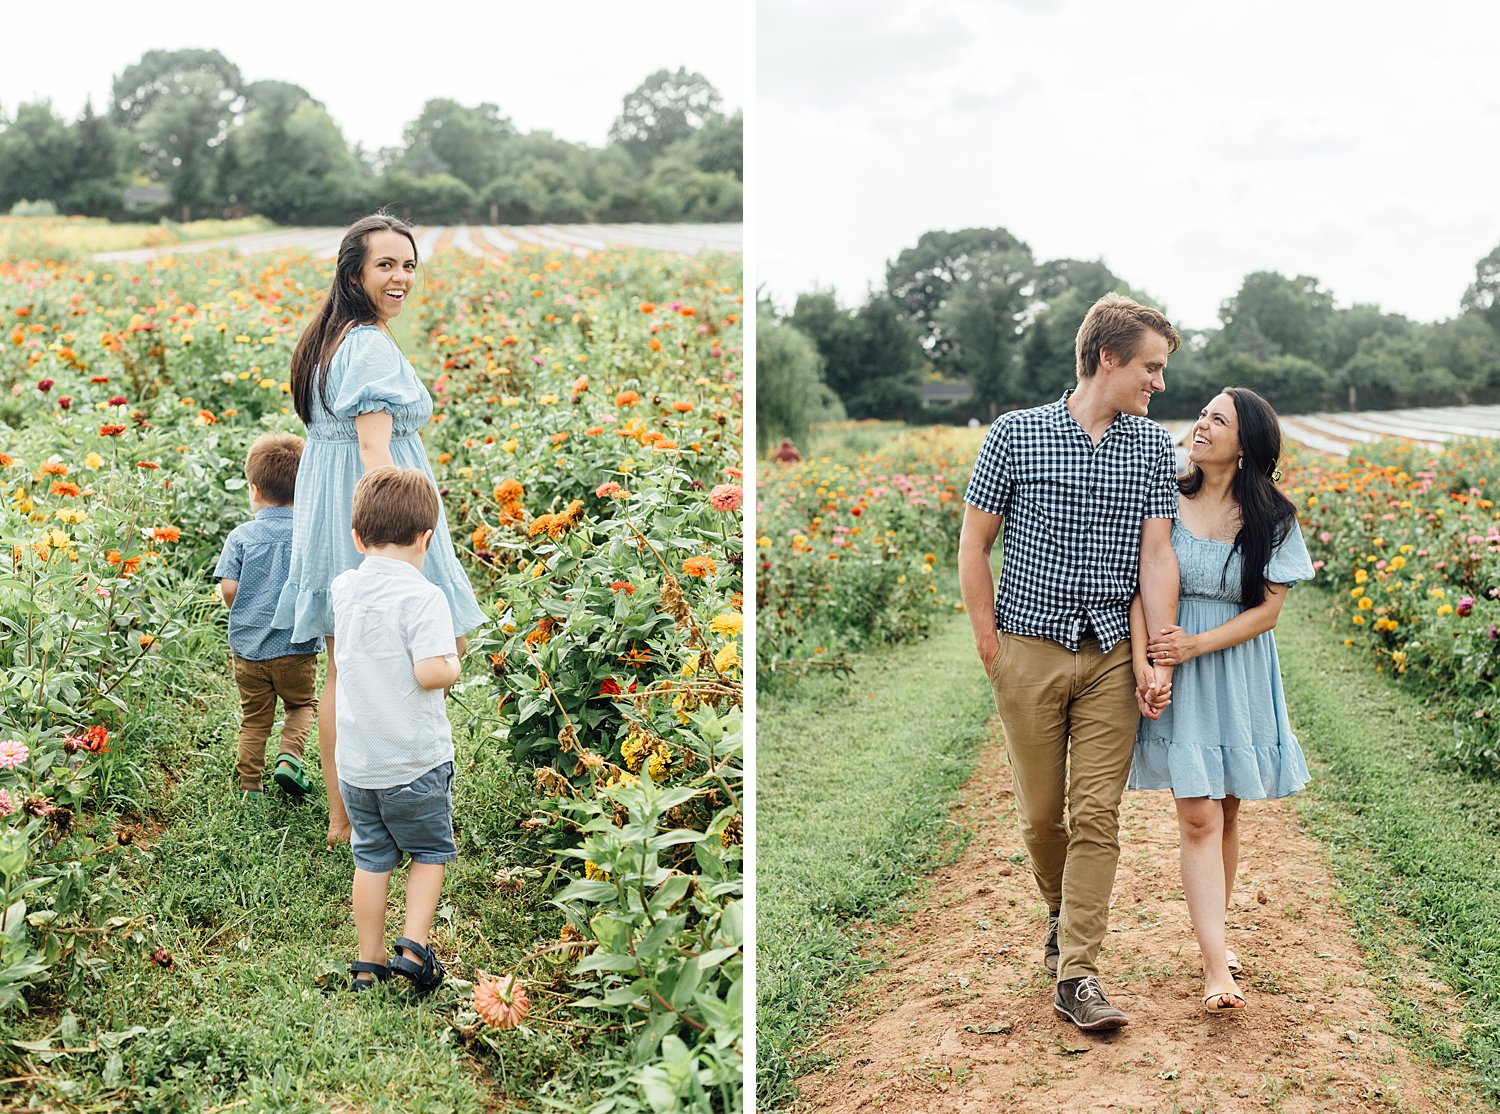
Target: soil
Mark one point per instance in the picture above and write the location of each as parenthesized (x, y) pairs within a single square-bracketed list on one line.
[(959, 1018)]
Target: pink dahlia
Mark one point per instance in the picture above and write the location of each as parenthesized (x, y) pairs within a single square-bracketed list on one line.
[(12, 753), (501, 1002), (726, 497)]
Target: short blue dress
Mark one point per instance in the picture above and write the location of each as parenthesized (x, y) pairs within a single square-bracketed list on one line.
[(367, 374), (1226, 732)]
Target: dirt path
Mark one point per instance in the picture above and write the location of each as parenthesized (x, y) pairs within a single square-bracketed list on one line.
[(960, 1018)]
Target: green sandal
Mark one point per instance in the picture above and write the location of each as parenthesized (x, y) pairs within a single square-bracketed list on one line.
[(292, 777)]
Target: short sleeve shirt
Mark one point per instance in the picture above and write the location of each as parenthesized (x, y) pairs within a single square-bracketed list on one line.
[(258, 554), (387, 617), (1072, 515)]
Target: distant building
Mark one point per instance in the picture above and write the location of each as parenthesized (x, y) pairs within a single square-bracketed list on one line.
[(146, 197), (946, 393)]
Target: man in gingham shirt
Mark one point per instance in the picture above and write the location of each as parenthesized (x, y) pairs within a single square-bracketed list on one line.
[(1086, 489)]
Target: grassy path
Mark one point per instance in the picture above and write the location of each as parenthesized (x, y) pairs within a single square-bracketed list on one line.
[(855, 777), (249, 1010), (1411, 840), (1347, 1015)]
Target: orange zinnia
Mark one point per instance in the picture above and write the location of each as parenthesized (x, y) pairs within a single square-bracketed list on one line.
[(700, 566)]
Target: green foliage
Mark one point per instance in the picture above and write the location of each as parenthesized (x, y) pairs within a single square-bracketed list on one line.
[(665, 108), (661, 918), (1409, 544), (849, 543), (790, 392)]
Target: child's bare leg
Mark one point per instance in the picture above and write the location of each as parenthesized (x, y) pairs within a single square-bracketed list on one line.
[(338, 816), (424, 885), (371, 892)]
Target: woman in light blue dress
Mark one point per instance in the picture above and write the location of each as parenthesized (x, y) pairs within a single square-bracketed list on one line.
[(363, 407), (1224, 737)]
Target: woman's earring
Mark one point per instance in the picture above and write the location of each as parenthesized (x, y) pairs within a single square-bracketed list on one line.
[(1241, 464)]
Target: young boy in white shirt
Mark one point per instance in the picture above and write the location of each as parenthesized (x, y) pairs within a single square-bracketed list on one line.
[(394, 647)]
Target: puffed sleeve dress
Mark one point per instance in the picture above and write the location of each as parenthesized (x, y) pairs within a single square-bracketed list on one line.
[(1226, 732), (367, 374)]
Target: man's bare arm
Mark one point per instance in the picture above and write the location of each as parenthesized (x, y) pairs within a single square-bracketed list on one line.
[(976, 542)]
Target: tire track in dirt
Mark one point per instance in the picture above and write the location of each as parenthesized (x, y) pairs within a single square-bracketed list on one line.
[(960, 1018)]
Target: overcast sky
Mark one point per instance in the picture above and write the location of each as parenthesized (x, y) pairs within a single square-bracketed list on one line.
[(1186, 144), (563, 68)]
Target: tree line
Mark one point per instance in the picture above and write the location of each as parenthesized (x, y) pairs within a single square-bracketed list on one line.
[(976, 308), (189, 122)]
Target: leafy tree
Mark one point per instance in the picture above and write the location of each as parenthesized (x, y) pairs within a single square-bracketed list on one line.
[(1387, 372), (680, 191), (288, 160), (1468, 347), (450, 138), (1483, 295), (163, 73), (979, 323), (37, 154), (97, 183), (921, 278), (1273, 315), (1351, 326), (667, 107), (890, 359), (435, 199), (181, 134), (718, 147), (789, 390)]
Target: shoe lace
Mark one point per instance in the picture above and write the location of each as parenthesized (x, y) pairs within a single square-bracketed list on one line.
[(1089, 988)]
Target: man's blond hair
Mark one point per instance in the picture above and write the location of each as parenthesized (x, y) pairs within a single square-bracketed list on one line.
[(1117, 323)]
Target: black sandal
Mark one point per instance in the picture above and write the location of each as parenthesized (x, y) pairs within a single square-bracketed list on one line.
[(424, 978), (381, 971)]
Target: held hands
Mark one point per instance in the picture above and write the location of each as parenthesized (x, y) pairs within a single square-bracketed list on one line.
[(1172, 646), (1153, 689)]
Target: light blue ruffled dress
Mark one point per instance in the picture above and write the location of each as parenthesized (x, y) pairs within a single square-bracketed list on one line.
[(1226, 732), (367, 374)]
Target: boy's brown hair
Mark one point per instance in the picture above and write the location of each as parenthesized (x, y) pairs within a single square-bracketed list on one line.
[(1117, 322), (271, 465), (393, 506)]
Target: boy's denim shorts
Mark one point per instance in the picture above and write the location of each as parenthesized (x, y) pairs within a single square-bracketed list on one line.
[(415, 819)]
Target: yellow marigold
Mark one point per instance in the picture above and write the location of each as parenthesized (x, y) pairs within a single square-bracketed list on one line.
[(633, 752), (1366, 603), (660, 764), (1445, 609), (727, 658), (594, 871), (728, 623)]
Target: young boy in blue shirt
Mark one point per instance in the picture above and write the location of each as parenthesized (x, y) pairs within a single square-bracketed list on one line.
[(395, 652), (267, 665)]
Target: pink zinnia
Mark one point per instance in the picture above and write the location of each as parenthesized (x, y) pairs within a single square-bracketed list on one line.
[(726, 497), (12, 753), (608, 488), (501, 1002), (7, 805)]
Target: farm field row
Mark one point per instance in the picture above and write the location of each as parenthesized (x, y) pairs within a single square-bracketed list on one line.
[(481, 241), (1342, 433)]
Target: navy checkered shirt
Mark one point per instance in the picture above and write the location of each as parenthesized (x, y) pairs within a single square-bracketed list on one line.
[(1073, 512)]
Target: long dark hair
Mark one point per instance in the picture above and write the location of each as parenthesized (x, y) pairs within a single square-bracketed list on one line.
[(1266, 515), (345, 305)]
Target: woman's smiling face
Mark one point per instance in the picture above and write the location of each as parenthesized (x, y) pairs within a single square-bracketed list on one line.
[(390, 267)]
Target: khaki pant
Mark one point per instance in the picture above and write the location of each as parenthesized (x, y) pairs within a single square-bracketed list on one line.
[(1070, 723), (293, 678)]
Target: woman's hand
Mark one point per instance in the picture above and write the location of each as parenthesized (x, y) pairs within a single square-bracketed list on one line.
[(1172, 646), (1151, 703)]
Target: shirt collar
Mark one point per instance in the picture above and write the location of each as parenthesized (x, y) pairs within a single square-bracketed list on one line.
[(275, 512), (389, 566), (1063, 418)]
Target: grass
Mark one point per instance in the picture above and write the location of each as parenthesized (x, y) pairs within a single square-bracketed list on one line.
[(852, 802), (254, 912), (67, 237), (1411, 841)]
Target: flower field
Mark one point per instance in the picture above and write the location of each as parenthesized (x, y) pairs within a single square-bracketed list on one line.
[(1409, 542), (586, 437), (855, 545)]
